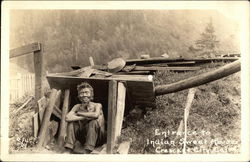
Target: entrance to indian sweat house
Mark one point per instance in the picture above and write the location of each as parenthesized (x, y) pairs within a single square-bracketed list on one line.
[(101, 93)]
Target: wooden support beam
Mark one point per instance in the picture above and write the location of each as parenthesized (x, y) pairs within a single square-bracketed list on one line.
[(112, 101), (39, 74), (121, 96), (34, 47), (63, 124), (46, 116), (42, 104), (199, 80)]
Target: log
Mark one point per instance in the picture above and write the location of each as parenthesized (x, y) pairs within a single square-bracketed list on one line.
[(46, 117), (199, 80), (63, 124), (112, 101)]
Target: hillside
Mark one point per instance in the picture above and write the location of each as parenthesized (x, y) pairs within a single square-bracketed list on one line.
[(215, 110), (69, 37)]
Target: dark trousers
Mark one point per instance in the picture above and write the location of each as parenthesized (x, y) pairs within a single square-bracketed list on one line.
[(84, 132)]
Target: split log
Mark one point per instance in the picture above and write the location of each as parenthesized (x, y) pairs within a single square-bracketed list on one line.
[(164, 60), (199, 80), (63, 124), (112, 101), (134, 73), (46, 116), (156, 68)]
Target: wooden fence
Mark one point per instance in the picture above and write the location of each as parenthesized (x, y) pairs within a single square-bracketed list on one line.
[(20, 85)]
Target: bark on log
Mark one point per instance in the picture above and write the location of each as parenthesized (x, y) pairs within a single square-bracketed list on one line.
[(199, 80), (46, 116)]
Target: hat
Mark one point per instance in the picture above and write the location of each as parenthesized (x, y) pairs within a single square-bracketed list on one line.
[(116, 65)]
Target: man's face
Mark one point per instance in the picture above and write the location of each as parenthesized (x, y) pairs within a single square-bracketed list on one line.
[(84, 95)]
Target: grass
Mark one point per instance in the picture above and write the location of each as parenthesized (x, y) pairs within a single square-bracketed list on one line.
[(20, 125), (215, 110)]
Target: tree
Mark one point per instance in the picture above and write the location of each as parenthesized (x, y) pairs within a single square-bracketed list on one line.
[(208, 43)]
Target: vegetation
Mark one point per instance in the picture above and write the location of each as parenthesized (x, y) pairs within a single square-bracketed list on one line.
[(215, 109), (69, 37), (208, 44)]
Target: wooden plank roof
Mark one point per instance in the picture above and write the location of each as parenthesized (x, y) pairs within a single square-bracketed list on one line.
[(140, 88)]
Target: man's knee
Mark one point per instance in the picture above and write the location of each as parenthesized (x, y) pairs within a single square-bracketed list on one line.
[(93, 123)]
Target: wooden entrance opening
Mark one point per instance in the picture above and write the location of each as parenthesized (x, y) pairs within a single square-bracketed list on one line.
[(115, 93)]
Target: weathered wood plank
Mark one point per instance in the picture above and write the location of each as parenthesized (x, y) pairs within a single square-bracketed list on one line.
[(46, 117), (199, 80), (35, 125), (42, 103), (190, 98), (63, 124), (124, 147), (91, 61), (121, 96), (39, 74), (25, 50), (112, 101)]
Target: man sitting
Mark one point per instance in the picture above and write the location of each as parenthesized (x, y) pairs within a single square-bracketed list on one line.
[(85, 122)]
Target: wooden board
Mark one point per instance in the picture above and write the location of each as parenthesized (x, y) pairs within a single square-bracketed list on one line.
[(121, 96), (158, 68), (25, 49), (112, 102), (142, 93)]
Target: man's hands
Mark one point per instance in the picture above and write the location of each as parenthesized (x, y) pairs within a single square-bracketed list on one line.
[(73, 117)]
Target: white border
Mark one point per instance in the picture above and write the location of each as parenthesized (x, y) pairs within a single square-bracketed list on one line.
[(239, 11)]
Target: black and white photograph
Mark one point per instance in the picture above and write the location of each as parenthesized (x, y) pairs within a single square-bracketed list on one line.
[(83, 80)]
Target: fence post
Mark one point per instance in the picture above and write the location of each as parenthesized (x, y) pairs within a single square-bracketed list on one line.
[(39, 73)]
